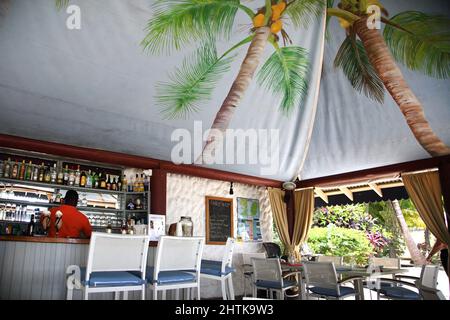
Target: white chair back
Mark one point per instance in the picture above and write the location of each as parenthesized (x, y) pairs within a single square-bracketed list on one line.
[(178, 253), (247, 257), (321, 274), (267, 269), (338, 261), (394, 263), (428, 276), (116, 252), (227, 259)]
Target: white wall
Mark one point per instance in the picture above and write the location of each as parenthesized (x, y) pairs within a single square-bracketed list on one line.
[(186, 197)]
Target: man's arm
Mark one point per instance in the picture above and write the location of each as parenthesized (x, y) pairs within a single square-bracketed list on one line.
[(87, 228), (438, 246)]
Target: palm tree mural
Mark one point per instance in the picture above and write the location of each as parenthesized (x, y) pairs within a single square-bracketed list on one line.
[(368, 59), (179, 23)]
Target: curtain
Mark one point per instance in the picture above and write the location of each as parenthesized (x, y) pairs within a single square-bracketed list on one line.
[(276, 197), (304, 210), (424, 188), (303, 213)]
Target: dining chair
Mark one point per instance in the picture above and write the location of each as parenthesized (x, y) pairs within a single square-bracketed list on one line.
[(321, 281), (273, 250), (115, 263), (247, 267), (177, 265), (421, 287), (338, 261), (221, 271), (267, 275), (382, 262)]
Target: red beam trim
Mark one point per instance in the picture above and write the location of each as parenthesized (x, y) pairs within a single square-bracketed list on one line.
[(133, 161), (373, 173)]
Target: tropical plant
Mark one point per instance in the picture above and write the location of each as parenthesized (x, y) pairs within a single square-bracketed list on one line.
[(351, 244), (179, 23), (418, 40)]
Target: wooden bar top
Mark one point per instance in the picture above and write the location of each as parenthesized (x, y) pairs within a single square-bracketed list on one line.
[(43, 239)]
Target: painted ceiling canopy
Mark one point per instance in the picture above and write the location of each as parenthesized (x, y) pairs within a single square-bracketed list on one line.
[(99, 87)]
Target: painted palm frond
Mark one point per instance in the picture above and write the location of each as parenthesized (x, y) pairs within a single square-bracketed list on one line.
[(352, 59), (303, 12), (285, 73), (191, 83), (180, 22), (61, 4), (421, 42)]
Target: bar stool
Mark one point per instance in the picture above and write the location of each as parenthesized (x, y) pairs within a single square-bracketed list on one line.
[(221, 270), (116, 263)]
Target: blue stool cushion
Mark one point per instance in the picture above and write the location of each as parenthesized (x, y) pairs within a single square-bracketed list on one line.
[(275, 284), (214, 268), (401, 293), (170, 277), (332, 292), (111, 278)]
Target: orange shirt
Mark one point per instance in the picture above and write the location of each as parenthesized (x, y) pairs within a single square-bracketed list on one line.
[(73, 223)]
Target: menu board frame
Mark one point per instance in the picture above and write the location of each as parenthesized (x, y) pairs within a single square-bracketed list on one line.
[(231, 229)]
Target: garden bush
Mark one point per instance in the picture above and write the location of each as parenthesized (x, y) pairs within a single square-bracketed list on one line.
[(351, 244)]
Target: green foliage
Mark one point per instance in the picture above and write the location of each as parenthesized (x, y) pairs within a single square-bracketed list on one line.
[(354, 62), (193, 82), (412, 217), (348, 243), (421, 42), (285, 73), (61, 4), (303, 12), (182, 22), (386, 217)]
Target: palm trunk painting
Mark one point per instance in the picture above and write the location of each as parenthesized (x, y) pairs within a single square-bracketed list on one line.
[(179, 23), (368, 59)]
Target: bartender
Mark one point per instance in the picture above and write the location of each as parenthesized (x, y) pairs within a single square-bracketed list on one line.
[(66, 221)]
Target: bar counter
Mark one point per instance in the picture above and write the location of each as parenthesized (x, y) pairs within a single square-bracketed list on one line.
[(35, 267)]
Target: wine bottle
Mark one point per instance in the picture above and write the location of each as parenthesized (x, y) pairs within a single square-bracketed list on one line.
[(7, 169), (108, 182), (29, 171), (41, 175), (22, 170), (60, 177), (77, 176), (66, 175), (83, 179)]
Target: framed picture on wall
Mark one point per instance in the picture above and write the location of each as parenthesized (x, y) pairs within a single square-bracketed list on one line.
[(248, 219), (219, 219)]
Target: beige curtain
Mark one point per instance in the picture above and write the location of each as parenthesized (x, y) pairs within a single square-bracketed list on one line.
[(424, 189), (303, 213), (304, 210), (276, 197)]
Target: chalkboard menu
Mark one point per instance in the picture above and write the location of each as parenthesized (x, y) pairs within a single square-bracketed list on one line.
[(219, 220)]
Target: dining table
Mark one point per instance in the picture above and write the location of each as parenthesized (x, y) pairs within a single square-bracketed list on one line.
[(368, 274)]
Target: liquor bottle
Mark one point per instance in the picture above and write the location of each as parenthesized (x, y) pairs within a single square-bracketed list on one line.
[(141, 183), (114, 184), (130, 184), (136, 184), (15, 170), (124, 227), (41, 174), (7, 169), (66, 175), (108, 182), (35, 176), (29, 171), (89, 179), (60, 177), (47, 174), (53, 174), (96, 180), (22, 170), (30, 229), (102, 181), (77, 176), (146, 183), (119, 184), (2, 166), (71, 177), (124, 183), (82, 179)]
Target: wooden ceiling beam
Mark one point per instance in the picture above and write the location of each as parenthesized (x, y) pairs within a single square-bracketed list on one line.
[(347, 192), (319, 192), (376, 188)]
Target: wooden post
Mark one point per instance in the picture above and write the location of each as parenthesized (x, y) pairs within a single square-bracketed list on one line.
[(158, 192)]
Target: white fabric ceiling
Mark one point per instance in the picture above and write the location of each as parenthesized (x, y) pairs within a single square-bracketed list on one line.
[(94, 87)]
